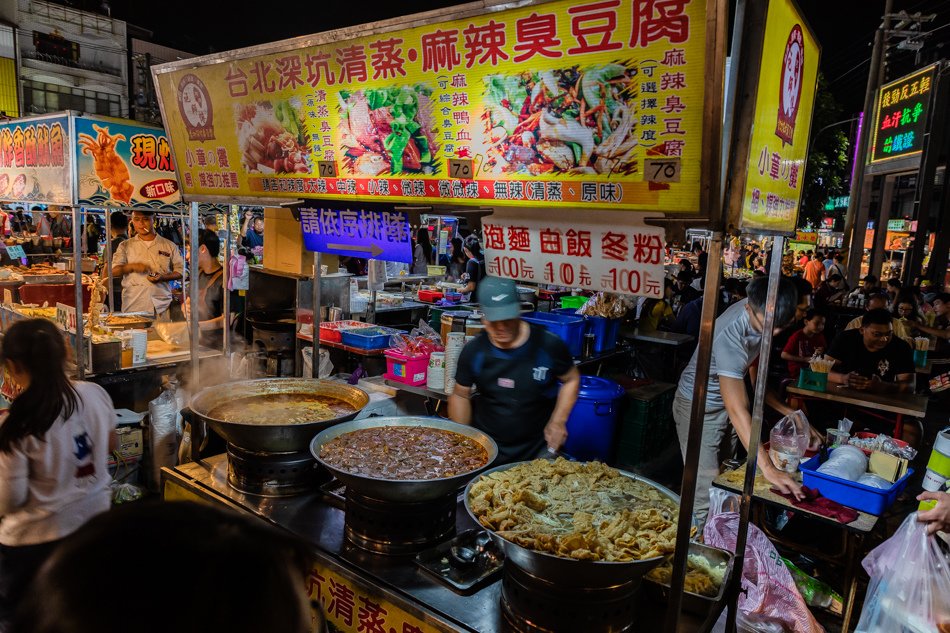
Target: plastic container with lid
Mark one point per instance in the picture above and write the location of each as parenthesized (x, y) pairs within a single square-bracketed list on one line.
[(593, 421)]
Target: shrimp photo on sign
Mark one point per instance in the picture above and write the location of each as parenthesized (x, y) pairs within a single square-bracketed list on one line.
[(126, 165)]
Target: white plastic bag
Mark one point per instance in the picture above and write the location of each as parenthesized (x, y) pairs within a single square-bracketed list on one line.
[(788, 441), (769, 597), (173, 332), (910, 583), (164, 432)]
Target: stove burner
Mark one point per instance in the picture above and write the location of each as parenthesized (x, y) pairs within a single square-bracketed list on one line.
[(387, 527), (533, 605), (271, 474)]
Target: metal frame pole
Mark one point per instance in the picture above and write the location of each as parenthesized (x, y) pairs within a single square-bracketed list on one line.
[(226, 281), (315, 304), (758, 410), (107, 268), (193, 294), (77, 263)]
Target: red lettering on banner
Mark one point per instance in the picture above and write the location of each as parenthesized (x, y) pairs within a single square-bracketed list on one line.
[(6, 147), (144, 151), (352, 61), (494, 237), (519, 239), (551, 242), (672, 81), (341, 602), (654, 20), (315, 583), (647, 249), (614, 246), (57, 145), (290, 72), (262, 83), (18, 147), (318, 65), (592, 20), (439, 51), (370, 617), (673, 105), (674, 57), (387, 61), (484, 41), (410, 628), (237, 81), (165, 162), (29, 146), (674, 148), (537, 35), (578, 243), (42, 145)]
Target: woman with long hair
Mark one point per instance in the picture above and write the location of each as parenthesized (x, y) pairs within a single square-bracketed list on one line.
[(457, 260), (54, 447), (475, 266), (422, 252)]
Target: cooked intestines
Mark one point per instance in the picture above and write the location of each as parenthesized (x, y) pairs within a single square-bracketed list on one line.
[(110, 168)]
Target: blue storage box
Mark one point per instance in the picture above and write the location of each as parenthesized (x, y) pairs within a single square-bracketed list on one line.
[(368, 337), (605, 330), (850, 493), (569, 329)]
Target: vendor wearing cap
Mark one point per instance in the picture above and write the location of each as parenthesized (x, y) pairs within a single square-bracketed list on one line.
[(507, 379)]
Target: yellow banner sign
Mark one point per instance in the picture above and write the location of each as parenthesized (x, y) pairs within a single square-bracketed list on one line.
[(556, 103), (783, 109)]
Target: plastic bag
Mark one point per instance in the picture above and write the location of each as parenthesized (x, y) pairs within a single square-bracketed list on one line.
[(769, 596), (173, 332), (604, 304), (164, 432), (815, 592), (788, 441), (421, 341), (910, 583)]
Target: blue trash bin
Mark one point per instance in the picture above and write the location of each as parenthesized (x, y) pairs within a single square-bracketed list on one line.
[(593, 421)]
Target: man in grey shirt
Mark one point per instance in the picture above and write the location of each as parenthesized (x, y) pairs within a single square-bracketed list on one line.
[(736, 343)]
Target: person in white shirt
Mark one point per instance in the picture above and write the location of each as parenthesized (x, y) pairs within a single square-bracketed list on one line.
[(146, 263), (54, 447)]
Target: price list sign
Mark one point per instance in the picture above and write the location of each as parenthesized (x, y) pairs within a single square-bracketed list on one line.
[(902, 117)]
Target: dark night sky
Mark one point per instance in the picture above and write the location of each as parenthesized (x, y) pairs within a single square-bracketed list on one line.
[(845, 29)]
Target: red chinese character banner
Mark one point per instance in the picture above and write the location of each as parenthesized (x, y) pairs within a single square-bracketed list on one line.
[(34, 161), (558, 103), (122, 164), (593, 253)]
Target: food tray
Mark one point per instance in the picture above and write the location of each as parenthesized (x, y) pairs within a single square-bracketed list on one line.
[(695, 603), (438, 561), (331, 331), (368, 338), (50, 278), (850, 493)]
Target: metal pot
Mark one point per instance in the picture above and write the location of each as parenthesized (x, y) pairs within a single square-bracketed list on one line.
[(570, 571), (272, 438), (273, 320), (406, 490)]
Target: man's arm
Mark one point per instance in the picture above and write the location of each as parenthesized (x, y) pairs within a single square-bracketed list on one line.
[(460, 405), (737, 406), (903, 383), (555, 432), (932, 331)]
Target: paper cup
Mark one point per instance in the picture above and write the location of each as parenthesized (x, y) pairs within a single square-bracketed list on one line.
[(933, 482)]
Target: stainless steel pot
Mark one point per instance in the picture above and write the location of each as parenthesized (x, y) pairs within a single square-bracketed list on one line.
[(272, 438), (570, 571), (405, 490)]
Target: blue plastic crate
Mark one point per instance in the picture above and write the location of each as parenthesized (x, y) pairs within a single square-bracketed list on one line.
[(569, 329), (368, 338), (605, 330), (850, 493)]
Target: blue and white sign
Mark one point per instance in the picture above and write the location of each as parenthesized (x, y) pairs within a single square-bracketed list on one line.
[(358, 233)]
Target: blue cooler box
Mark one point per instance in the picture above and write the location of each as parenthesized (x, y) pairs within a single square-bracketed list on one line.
[(592, 425), (569, 329), (850, 493)]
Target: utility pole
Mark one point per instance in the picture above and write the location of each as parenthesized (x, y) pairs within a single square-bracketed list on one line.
[(856, 220)]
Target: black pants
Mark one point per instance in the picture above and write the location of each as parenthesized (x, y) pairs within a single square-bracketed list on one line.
[(18, 566)]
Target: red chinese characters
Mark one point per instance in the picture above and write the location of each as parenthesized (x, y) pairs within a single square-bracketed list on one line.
[(352, 61), (614, 246), (144, 151), (57, 145), (290, 72), (536, 35), (647, 249), (578, 243), (494, 237), (342, 601), (262, 81), (42, 145), (439, 51), (484, 44), (593, 25), (387, 60), (519, 239), (29, 146), (18, 147), (551, 242), (237, 81), (370, 617), (654, 20), (318, 66)]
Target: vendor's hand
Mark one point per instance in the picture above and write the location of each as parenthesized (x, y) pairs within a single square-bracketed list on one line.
[(555, 434), (783, 482), (857, 381), (154, 277), (938, 518), (186, 308)]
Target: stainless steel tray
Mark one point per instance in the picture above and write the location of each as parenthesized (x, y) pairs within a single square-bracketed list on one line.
[(693, 602)]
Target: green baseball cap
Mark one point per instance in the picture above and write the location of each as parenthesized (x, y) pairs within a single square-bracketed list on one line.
[(498, 299)]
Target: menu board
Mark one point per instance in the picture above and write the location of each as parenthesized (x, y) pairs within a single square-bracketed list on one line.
[(902, 116), (788, 74), (559, 103), (121, 164), (34, 161)]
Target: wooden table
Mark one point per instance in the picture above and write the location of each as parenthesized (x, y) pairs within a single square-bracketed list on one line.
[(901, 404), (853, 533)]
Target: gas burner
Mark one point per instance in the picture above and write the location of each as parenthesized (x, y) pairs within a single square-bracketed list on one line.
[(272, 474), (534, 605), (397, 528), (464, 563)]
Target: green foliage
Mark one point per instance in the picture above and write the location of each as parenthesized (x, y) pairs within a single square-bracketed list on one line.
[(828, 168)]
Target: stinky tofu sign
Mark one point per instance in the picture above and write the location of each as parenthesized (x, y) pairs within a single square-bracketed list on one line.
[(34, 161), (902, 116), (358, 233), (593, 253), (559, 103)]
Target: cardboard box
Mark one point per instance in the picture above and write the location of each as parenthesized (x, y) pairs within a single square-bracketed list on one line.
[(131, 445), (283, 243)]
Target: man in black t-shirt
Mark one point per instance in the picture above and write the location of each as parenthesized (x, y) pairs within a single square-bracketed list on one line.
[(513, 368), (872, 358)]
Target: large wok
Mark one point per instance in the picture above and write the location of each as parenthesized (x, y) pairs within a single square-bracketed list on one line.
[(273, 438), (404, 490), (583, 574)]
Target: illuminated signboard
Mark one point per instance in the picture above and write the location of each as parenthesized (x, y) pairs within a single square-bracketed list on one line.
[(902, 114)]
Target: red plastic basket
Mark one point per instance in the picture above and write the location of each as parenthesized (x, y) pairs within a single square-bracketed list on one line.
[(430, 295), (332, 331)]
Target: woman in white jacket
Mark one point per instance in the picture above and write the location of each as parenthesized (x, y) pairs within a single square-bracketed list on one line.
[(54, 448)]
